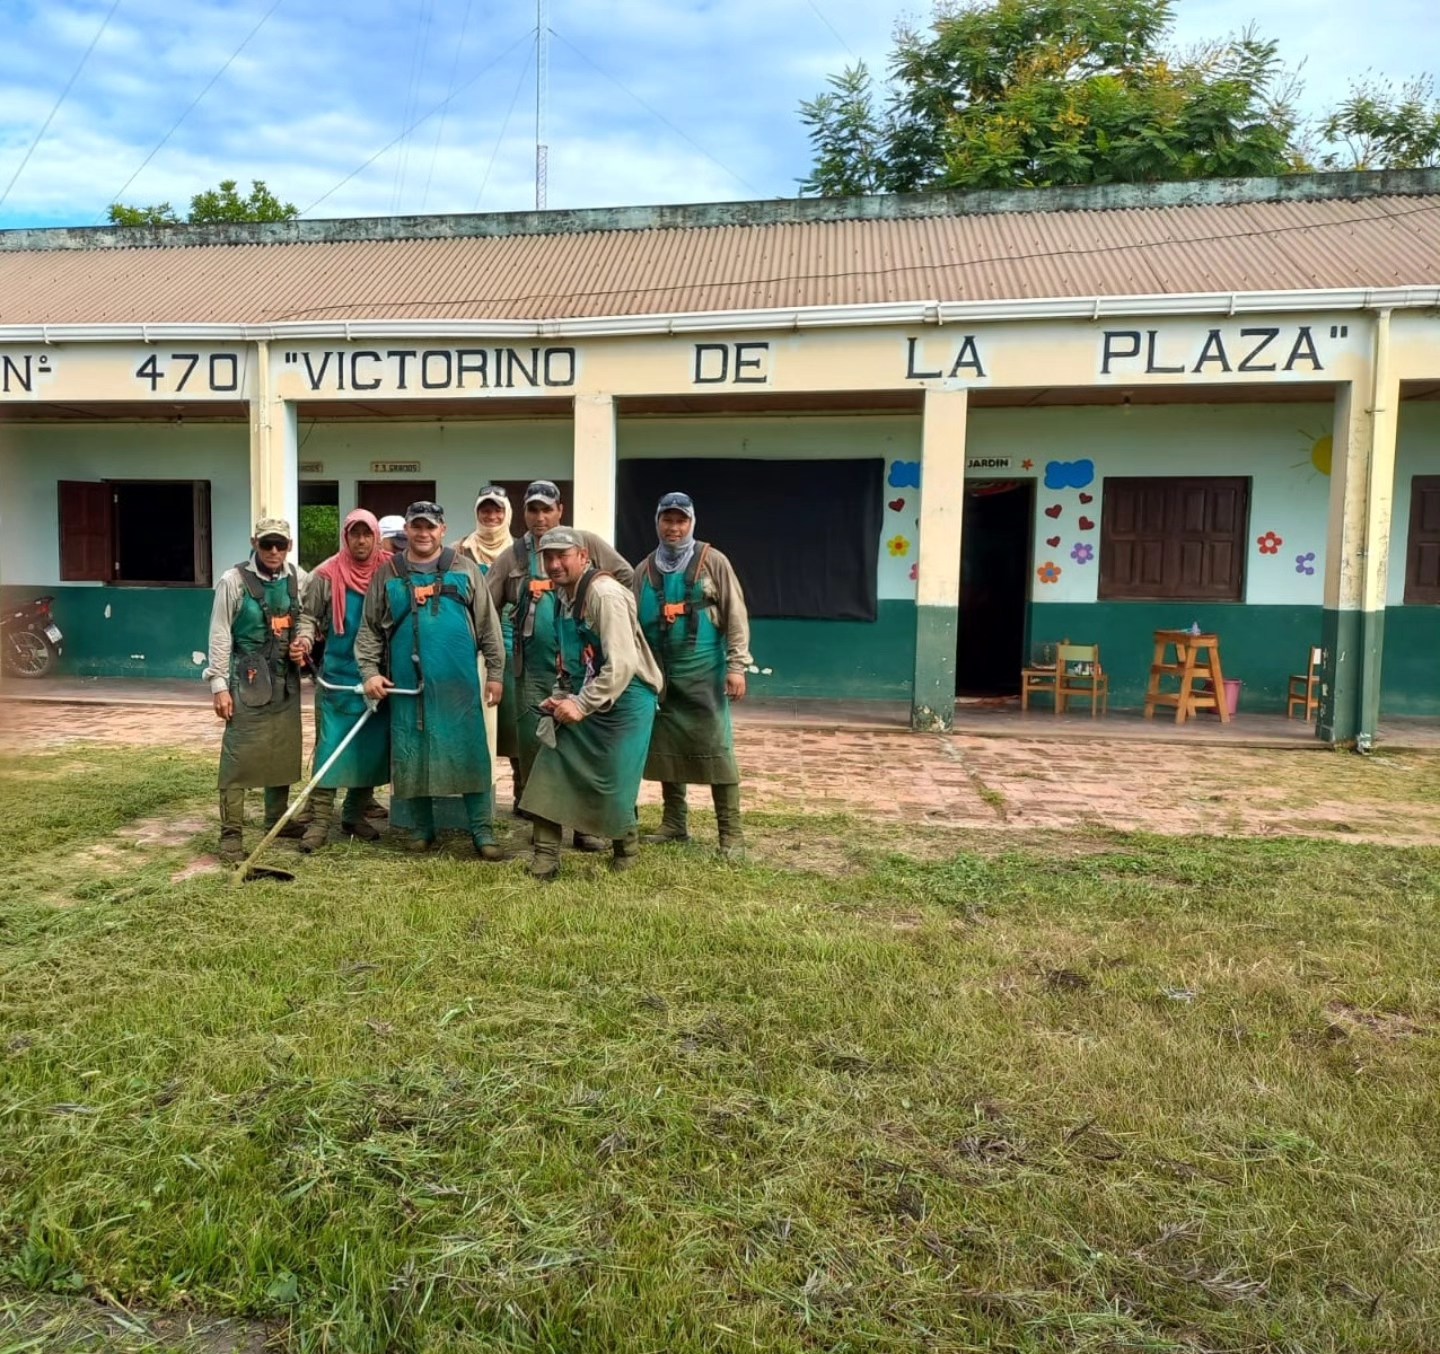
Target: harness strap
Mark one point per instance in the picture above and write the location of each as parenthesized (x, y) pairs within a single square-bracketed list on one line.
[(670, 612), (280, 624), (415, 598), (577, 611)]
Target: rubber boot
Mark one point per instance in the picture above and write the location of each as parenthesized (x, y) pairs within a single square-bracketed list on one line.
[(727, 819), (480, 815), (232, 822), (674, 818), (317, 831), (277, 800), (422, 835), (585, 841), (355, 814), (627, 851), (517, 781), (369, 807), (545, 841)]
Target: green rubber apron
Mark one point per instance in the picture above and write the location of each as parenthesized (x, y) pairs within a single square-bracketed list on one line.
[(261, 744), (537, 642), (693, 742), (507, 741), (590, 779), (437, 739), (366, 762)]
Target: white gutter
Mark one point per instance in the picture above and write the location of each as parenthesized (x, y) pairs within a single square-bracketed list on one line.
[(1092, 308)]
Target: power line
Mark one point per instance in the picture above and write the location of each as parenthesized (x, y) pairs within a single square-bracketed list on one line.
[(175, 127), (412, 96), (449, 90), (656, 113), (929, 265), (444, 103), (504, 127), (820, 14), (69, 84)]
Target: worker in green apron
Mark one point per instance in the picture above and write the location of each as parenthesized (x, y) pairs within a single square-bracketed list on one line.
[(519, 586), (485, 545), (330, 610), (254, 652), (692, 612), (594, 728), (427, 614)]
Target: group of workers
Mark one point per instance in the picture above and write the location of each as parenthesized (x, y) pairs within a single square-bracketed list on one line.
[(547, 649)]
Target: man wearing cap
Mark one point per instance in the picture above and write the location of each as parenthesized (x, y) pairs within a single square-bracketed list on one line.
[(485, 545), (426, 616), (254, 679), (392, 532), (692, 613), (518, 582), (594, 728)]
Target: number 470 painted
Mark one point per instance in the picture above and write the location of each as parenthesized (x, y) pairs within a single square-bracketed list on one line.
[(221, 373)]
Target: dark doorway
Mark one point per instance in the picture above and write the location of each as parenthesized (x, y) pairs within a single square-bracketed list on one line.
[(994, 586), (385, 498)]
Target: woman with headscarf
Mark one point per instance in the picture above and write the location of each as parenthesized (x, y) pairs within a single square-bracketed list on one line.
[(330, 609), (491, 539), (692, 612)]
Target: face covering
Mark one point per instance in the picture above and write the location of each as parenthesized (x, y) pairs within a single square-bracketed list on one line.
[(489, 543), (348, 574), (669, 558)]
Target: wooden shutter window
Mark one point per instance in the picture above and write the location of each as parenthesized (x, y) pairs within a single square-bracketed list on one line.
[(1174, 539), (1422, 549), (86, 536)]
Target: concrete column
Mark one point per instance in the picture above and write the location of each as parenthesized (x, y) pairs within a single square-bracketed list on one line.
[(1357, 547), (274, 450), (594, 465), (937, 592)]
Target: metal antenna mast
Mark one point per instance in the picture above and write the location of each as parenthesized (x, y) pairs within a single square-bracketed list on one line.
[(542, 96)]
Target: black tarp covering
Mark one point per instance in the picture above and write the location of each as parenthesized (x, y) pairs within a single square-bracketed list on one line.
[(804, 536)]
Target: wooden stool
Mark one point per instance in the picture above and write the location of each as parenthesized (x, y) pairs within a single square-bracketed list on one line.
[(1196, 657)]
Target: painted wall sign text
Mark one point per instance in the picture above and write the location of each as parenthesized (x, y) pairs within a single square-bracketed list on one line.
[(216, 372), (963, 359), (345, 369), (394, 467), (1243, 348), (732, 363), (989, 463), (18, 374), (312, 467)]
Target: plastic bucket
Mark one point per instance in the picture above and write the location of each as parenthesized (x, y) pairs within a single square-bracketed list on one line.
[(1232, 694)]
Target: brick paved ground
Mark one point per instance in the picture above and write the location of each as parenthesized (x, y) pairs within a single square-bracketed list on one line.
[(962, 780)]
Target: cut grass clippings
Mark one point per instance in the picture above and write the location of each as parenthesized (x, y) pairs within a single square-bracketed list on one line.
[(1169, 1094)]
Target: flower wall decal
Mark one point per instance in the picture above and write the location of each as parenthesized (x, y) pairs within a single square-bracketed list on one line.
[(898, 545), (1305, 564), (1049, 572), (1082, 552), (1270, 543), (915, 571)]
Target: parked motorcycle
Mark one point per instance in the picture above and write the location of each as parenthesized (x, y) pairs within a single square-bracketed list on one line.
[(30, 641)]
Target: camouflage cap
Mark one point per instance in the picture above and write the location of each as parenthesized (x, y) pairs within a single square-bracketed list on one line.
[(561, 538), (272, 526)]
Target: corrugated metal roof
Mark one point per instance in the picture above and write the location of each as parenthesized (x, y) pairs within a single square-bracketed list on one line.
[(1382, 241)]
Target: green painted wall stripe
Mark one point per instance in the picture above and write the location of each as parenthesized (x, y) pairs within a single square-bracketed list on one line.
[(932, 705)]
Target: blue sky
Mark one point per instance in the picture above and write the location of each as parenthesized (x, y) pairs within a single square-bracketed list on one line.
[(650, 100)]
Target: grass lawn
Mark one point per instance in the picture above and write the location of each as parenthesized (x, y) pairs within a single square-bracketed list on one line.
[(876, 1091)]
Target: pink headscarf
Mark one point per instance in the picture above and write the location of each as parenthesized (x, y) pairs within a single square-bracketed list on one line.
[(348, 574)]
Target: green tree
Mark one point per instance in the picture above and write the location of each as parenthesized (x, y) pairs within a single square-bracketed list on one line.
[(1027, 93), (214, 205), (1381, 125)]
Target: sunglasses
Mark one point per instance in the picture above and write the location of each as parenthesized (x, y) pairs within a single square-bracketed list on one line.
[(273, 543), (494, 491)]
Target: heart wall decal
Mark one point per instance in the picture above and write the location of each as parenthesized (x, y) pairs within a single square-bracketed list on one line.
[(1086, 524), (896, 504), (1053, 542), (1053, 510), (1087, 498)]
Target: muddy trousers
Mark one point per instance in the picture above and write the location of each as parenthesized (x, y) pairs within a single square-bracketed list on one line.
[(545, 837), (352, 808), (479, 816), (277, 800), (675, 816)]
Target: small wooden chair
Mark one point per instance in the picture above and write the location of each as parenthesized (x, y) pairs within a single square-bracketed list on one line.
[(1039, 677), (1304, 688), (1079, 673)]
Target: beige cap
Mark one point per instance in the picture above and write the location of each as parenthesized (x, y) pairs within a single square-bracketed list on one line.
[(272, 526)]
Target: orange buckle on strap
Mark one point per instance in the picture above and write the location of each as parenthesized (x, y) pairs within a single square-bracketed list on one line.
[(279, 624), (672, 611), (539, 585), (423, 595)]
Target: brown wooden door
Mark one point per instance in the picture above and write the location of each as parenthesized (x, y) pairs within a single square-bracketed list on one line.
[(1422, 552), (386, 497)]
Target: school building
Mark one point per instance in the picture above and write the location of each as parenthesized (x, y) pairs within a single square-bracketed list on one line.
[(934, 432)]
